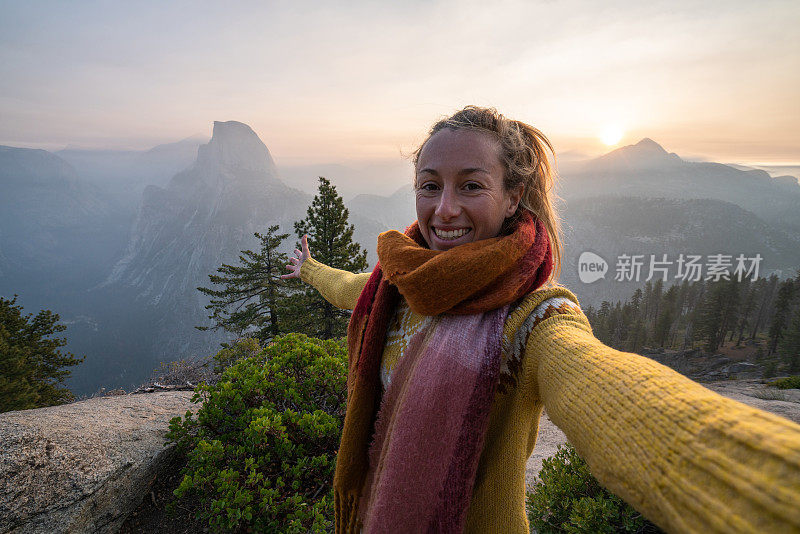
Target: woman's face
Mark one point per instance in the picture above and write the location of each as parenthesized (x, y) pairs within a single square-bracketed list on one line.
[(460, 192)]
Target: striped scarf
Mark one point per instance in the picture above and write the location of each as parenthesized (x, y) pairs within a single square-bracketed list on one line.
[(427, 432)]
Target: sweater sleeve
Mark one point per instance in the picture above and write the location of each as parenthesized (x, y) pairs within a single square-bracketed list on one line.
[(340, 288), (687, 458)]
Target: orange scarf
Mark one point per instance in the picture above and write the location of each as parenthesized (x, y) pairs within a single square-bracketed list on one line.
[(469, 279)]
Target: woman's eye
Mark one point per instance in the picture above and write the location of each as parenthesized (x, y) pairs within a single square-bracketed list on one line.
[(472, 186), (429, 186)]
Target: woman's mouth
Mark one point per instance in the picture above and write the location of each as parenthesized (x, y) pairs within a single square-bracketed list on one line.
[(451, 235)]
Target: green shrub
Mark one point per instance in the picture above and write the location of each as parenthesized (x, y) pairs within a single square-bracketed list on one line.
[(261, 450), (789, 382), (241, 348), (567, 498)]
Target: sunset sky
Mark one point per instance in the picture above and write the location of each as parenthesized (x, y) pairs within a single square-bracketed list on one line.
[(354, 81)]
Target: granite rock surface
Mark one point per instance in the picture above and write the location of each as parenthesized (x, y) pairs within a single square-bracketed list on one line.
[(83, 467)]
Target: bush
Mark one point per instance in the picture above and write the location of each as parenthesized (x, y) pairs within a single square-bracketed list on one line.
[(789, 382), (230, 354), (567, 498), (261, 450)]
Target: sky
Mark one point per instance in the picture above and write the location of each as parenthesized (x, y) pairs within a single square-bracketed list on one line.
[(354, 81)]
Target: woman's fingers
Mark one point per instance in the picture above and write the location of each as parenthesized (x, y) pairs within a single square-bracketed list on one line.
[(297, 261), (295, 271)]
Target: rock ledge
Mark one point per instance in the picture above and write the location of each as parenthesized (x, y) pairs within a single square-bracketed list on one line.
[(83, 467)]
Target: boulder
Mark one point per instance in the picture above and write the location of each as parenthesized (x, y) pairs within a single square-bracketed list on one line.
[(83, 467)]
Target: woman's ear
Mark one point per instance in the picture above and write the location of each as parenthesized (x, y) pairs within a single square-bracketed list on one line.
[(514, 197)]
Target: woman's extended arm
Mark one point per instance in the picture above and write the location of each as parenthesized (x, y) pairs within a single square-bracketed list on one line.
[(340, 288), (687, 458)]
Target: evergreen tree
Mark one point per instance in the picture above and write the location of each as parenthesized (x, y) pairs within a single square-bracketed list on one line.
[(748, 304), (601, 329), (781, 314), (730, 308), (789, 344), (648, 302), (636, 300), (251, 299), (710, 321), (638, 336), (767, 296), (331, 242), (32, 366), (666, 317), (617, 323)]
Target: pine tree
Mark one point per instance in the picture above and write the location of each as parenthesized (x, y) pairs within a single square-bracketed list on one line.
[(251, 299), (730, 308), (636, 300), (710, 320), (767, 296), (638, 336), (780, 315), (748, 304), (789, 344), (666, 317), (32, 366), (331, 242)]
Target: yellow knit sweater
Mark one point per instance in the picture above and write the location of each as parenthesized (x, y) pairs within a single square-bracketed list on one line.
[(687, 458)]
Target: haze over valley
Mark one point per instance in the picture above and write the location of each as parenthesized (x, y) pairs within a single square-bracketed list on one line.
[(117, 242)]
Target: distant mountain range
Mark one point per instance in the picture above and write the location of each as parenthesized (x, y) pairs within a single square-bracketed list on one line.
[(57, 232), (118, 242), (647, 170), (122, 175)]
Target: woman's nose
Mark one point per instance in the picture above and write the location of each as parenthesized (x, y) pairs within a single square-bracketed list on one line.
[(448, 206)]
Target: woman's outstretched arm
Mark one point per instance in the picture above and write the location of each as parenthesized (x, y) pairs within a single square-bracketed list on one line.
[(340, 288), (689, 459)]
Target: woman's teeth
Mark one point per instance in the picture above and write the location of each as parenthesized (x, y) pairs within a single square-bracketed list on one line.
[(451, 234)]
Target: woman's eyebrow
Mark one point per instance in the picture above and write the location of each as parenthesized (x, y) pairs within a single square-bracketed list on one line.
[(463, 172), (471, 170)]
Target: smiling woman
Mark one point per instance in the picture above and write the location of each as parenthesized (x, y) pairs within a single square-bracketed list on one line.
[(460, 186), (460, 338)]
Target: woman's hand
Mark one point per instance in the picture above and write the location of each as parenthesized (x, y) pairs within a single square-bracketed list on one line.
[(298, 259)]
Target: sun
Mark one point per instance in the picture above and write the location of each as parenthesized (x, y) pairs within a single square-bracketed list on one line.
[(611, 135)]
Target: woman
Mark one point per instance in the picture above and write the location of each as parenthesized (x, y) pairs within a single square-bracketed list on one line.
[(459, 338)]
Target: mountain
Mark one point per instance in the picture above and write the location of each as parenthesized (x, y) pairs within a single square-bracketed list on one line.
[(646, 154), (396, 211), (57, 233), (647, 170), (613, 226), (205, 215), (122, 175), (351, 179), (787, 173), (183, 232)]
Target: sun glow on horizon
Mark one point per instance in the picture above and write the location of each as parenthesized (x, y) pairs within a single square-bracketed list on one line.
[(611, 135)]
